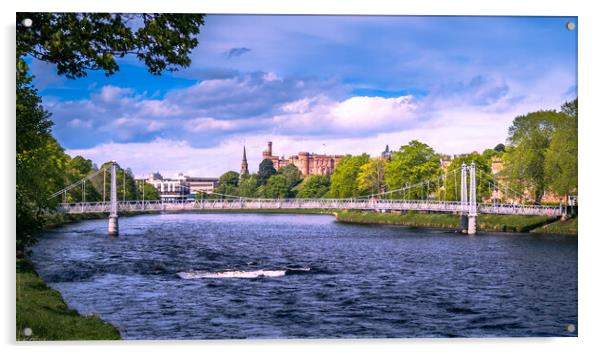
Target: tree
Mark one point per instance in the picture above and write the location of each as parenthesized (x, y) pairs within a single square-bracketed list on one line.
[(248, 186), (313, 187), (266, 170), (371, 178), (147, 191), (77, 42), (500, 148), (413, 163), (292, 174), (39, 162), (528, 141), (343, 183), (276, 187), (228, 183), (561, 160)]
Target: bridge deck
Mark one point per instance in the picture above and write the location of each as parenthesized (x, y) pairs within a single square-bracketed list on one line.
[(353, 204)]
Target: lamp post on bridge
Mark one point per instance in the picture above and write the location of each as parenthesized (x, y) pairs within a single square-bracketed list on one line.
[(113, 218)]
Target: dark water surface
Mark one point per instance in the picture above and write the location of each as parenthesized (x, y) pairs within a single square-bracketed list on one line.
[(326, 279)]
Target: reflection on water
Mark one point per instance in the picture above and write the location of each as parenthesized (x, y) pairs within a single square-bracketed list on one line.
[(307, 276)]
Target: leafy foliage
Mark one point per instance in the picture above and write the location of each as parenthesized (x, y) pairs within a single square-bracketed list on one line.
[(248, 186), (344, 179), (371, 178), (228, 183), (313, 187), (413, 163), (277, 187), (77, 42), (266, 170), (532, 162), (292, 174)]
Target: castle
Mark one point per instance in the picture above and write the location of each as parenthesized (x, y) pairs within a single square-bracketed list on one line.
[(307, 163)]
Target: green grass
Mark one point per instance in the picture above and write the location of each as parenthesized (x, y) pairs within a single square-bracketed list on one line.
[(568, 227), (504, 223), (43, 310)]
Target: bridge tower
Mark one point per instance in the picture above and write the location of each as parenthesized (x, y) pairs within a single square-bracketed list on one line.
[(472, 209), (113, 218), (463, 200)]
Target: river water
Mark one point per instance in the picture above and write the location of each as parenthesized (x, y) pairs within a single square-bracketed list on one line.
[(201, 276)]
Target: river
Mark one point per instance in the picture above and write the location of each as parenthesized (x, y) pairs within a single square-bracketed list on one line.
[(210, 276)]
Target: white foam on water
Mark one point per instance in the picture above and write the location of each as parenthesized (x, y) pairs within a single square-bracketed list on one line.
[(233, 274), (238, 273)]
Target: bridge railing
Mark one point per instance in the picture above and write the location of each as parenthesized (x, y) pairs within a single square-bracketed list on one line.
[(348, 203), (520, 209)]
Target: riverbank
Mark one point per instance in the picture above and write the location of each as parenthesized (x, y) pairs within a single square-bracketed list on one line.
[(566, 227), (494, 223), (43, 311)]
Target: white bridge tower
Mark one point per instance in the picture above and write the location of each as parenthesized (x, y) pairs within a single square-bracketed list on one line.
[(113, 218)]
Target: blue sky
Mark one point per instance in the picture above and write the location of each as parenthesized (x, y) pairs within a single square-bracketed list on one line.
[(324, 84)]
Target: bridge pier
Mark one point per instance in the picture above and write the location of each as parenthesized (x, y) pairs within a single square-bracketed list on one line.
[(472, 225), (464, 223)]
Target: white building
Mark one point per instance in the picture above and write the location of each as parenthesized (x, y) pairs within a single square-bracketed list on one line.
[(180, 187)]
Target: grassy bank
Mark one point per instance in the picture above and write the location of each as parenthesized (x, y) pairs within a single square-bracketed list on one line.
[(503, 223), (568, 227), (43, 310)]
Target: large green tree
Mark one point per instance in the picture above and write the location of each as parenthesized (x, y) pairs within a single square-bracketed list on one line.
[(343, 183), (248, 186), (40, 161), (561, 160), (276, 187), (413, 163), (228, 184), (292, 174), (313, 187), (529, 139), (371, 178), (266, 170)]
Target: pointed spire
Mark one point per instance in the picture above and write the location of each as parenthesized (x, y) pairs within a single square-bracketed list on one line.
[(244, 166)]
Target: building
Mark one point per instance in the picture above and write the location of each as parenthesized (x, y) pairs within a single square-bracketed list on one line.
[(387, 153), (201, 184), (307, 163), (181, 187)]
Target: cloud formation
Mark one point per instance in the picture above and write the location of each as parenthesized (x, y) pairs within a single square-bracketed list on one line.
[(337, 84), (236, 52)]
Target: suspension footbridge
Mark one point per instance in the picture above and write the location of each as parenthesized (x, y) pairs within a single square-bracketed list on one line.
[(467, 207)]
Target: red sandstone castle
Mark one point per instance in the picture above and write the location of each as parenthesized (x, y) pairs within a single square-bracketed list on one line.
[(307, 163)]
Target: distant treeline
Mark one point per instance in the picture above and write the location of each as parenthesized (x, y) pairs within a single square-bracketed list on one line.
[(540, 155)]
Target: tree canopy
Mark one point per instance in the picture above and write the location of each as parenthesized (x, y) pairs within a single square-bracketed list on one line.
[(313, 187), (78, 42), (413, 163), (531, 161), (266, 170), (343, 183)]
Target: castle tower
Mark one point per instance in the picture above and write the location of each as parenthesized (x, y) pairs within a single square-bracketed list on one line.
[(244, 166)]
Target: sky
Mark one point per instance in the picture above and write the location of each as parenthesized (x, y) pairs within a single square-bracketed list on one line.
[(322, 84)]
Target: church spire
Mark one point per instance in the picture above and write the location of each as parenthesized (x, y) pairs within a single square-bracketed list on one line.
[(244, 166)]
